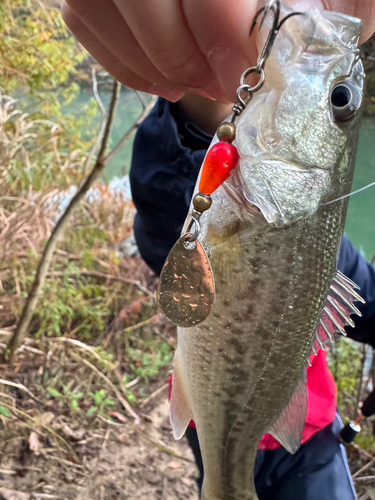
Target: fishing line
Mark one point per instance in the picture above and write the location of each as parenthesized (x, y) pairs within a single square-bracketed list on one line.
[(350, 194)]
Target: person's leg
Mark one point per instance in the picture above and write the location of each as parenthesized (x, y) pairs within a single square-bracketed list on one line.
[(192, 437), (318, 471)]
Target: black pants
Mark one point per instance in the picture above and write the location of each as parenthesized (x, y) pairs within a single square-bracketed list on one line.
[(318, 471)]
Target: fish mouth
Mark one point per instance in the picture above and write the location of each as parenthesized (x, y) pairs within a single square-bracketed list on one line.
[(246, 202), (282, 192)]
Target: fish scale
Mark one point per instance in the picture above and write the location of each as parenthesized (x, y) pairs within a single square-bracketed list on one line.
[(230, 411), (242, 372)]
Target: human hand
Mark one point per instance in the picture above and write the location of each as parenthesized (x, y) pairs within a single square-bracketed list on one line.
[(171, 47)]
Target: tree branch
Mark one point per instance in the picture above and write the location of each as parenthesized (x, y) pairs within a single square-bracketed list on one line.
[(46, 259), (115, 151)]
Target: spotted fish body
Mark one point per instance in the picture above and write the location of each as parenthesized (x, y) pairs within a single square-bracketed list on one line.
[(273, 241)]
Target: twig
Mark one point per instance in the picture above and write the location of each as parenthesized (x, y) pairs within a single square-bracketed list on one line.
[(364, 497), (115, 151), (58, 230), (109, 422), (133, 383), (22, 388), (48, 429), (96, 93), (84, 347), (125, 403), (161, 446), (63, 461), (361, 450), (33, 350), (365, 467), (141, 325), (99, 138), (141, 99), (121, 382), (106, 437), (44, 495), (109, 277), (360, 383), (363, 479), (128, 329), (154, 394)]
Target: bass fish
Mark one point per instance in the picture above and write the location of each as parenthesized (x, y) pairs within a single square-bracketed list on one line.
[(273, 236)]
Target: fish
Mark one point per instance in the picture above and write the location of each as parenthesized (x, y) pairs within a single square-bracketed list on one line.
[(273, 236)]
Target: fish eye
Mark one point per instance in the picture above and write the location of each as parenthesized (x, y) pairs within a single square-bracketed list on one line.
[(345, 101)]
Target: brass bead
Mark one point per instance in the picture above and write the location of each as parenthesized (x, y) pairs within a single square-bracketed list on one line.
[(226, 132), (202, 202)]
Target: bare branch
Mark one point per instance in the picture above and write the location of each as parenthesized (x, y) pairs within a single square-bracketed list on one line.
[(57, 232), (141, 98), (22, 388), (125, 403), (96, 93), (115, 151), (109, 277)]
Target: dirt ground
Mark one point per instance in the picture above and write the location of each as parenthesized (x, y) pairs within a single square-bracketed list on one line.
[(118, 463)]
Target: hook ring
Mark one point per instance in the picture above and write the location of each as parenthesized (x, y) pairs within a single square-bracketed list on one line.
[(254, 69), (192, 236)]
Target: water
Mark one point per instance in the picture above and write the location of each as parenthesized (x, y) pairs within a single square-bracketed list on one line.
[(128, 111), (360, 222)]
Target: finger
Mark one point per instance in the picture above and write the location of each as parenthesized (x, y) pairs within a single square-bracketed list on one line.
[(363, 9), (103, 19), (221, 29), (162, 32), (110, 62)]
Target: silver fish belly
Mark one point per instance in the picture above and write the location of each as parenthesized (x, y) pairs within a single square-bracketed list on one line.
[(273, 242)]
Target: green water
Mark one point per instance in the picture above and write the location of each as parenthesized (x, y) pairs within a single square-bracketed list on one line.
[(360, 222), (129, 109)]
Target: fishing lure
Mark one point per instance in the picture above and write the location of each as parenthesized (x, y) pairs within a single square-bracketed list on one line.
[(186, 291)]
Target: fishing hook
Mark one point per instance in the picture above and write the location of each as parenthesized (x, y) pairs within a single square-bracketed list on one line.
[(273, 6)]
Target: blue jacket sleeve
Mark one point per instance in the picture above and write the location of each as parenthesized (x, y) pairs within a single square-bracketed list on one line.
[(355, 267), (167, 156)]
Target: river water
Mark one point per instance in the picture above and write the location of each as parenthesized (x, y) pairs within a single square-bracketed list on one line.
[(360, 225), (360, 222)]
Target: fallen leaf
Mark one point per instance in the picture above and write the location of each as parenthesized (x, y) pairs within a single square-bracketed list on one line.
[(187, 481), (123, 438), (130, 313), (70, 433), (119, 416), (174, 465), (13, 495), (47, 418), (34, 443)]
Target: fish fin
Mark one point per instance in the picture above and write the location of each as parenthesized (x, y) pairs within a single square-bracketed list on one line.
[(180, 412), (289, 427), (337, 311)]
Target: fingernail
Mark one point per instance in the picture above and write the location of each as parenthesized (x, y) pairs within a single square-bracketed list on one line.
[(228, 65)]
